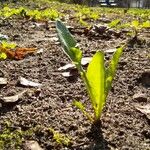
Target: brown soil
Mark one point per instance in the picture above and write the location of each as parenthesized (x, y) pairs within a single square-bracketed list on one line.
[(122, 126)]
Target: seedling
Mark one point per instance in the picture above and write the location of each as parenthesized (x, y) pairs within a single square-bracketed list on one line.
[(98, 79), (114, 23), (60, 138)]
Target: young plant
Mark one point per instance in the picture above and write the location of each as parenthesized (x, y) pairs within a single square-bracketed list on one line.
[(114, 23), (136, 26), (60, 138), (98, 79)]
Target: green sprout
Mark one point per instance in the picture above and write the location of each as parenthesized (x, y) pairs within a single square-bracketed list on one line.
[(136, 26), (60, 138), (98, 79), (114, 23)]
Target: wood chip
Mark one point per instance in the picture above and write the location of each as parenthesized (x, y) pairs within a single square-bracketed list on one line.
[(66, 67), (14, 98), (3, 81), (84, 62), (26, 82)]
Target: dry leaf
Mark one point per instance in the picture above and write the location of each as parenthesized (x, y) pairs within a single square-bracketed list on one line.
[(66, 67), (84, 62), (14, 98), (17, 53), (20, 53), (54, 39), (26, 82), (66, 74)]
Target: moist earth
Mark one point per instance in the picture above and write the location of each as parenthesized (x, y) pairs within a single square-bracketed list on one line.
[(122, 126)]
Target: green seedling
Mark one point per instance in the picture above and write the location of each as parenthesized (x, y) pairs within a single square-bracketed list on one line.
[(6, 44), (60, 138), (98, 79), (135, 25), (146, 24), (114, 23), (11, 138)]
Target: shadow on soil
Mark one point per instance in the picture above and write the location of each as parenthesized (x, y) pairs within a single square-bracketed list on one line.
[(96, 137)]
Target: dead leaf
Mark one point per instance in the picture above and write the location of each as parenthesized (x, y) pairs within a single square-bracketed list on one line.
[(17, 53), (32, 145), (66, 67), (54, 39), (20, 53), (70, 69), (14, 98), (144, 109), (66, 74), (26, 82), (84, 62), (3, 81)]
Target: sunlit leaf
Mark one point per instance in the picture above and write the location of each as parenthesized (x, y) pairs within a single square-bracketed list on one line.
[(3, 56), (5, 44), (96, 78), (146, 24), (135, 24), (111, 70), (114, 23)]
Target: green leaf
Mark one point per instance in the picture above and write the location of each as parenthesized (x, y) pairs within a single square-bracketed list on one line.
[(77, 55), (111, 70), (79, 105), (96, 79), (68, 42), (146, 24), (135, 24), (114, 23), (2, 56), (5, 44)]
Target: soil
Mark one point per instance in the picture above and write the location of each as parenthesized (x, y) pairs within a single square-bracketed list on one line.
[(122, 126)]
